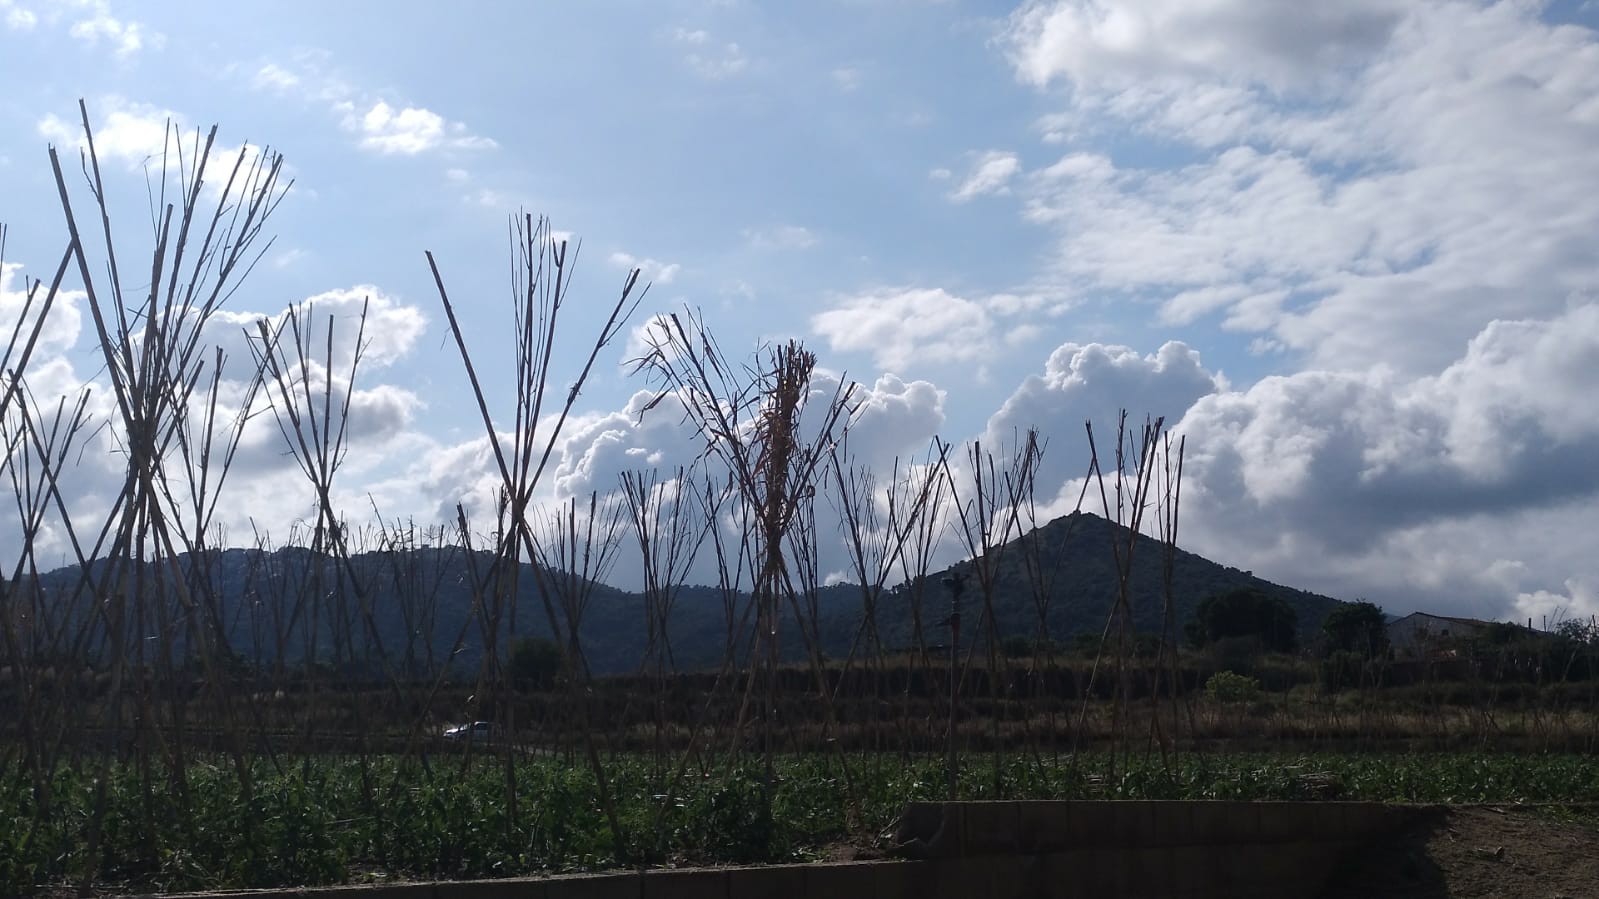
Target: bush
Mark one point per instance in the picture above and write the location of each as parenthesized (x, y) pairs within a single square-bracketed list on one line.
[(1017, 647), (1246, 613), (536, 662), (1229, 687), (1357, 627)]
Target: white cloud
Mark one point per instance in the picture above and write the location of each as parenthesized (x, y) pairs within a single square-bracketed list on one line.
[(60, 331), (649, 269), (846, 78), (378, 125), (901, 327), (1370, 185), (780, 237), (275, 77), (991, 174), (1017, 304), (290, 257), (1097, 43), (137, 134), (264, 487), (1576, 599), (1094, 382), (1467, 491), (493, 199), (17, 17), (1372, 482), (892, 418), (1017, 335), (710, 62), (410, 130), (125, 36), (725, 64)]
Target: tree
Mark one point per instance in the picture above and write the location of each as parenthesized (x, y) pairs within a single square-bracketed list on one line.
[(535, 661), (1246, 612), (1358, 627)]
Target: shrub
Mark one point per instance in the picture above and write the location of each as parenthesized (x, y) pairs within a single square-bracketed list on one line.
[(1230, 687), (1357, 627), (536, 662), (1246, 613)]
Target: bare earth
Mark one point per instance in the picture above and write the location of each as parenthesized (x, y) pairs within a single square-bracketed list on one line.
[(1481, 851)]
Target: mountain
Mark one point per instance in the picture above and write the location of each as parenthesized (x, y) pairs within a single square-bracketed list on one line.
[(1076, 565), (422, 610)]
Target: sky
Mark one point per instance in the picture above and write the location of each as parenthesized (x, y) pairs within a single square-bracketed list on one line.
[(1350, 251)]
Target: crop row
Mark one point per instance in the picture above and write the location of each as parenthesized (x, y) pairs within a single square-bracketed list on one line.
[(332, 820)]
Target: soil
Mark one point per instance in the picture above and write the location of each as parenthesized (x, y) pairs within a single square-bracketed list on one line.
[(1512, 852)]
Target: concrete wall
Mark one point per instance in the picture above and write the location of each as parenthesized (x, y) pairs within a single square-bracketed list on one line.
[(1145, 849), (1061, 850)]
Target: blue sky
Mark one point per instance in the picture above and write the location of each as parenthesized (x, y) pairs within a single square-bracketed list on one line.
[(1349, 249)]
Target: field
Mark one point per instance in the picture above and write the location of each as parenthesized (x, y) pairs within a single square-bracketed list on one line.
[(181, 712), (336, 820)]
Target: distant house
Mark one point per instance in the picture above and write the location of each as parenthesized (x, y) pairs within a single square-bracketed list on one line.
[(1420, 635)]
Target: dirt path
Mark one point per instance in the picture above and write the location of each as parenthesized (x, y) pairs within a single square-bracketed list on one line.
[(1482, 851)]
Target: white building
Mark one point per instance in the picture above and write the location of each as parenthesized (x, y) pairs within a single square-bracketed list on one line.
[(1419, 635)]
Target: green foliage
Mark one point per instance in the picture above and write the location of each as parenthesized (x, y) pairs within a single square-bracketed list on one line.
[(1232, 688), (1357, 627), (1249, 613), (314, 823), (1578, 631), (1016, 647), (1081, 594), (536, 662), (1346, 669)]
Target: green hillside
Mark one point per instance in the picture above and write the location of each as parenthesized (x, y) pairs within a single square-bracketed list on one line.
[(423, 609), (1076, 565)]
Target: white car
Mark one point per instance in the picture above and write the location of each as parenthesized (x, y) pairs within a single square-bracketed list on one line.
[(477, 732)]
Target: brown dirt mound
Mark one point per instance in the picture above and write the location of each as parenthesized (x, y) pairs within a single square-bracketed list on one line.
[(1481, 851)]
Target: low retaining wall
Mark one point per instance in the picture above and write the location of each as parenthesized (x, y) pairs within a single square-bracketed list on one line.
[(1066, 850), (1008, 850)]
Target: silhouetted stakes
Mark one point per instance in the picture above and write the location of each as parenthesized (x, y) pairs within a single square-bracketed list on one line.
[(955, 582)]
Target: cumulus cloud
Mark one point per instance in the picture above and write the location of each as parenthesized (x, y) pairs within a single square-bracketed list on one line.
[(410, 130), (1095, 382), (16, 16), (140, 135), (380, 126), (132, 132), (93, 24), (1466, 491), (891, 418), (1370, 479), (1576, 599), (650, 270), (1370, 183), (275, 77), (780, 237), (991, 174), (1095, 43), (903, 326), (846, 78), (264, 486), (60, 332), (710, 61), (894, 418)]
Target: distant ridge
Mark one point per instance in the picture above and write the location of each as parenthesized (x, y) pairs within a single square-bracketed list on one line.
[(1079, 568), (1074, 552)]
